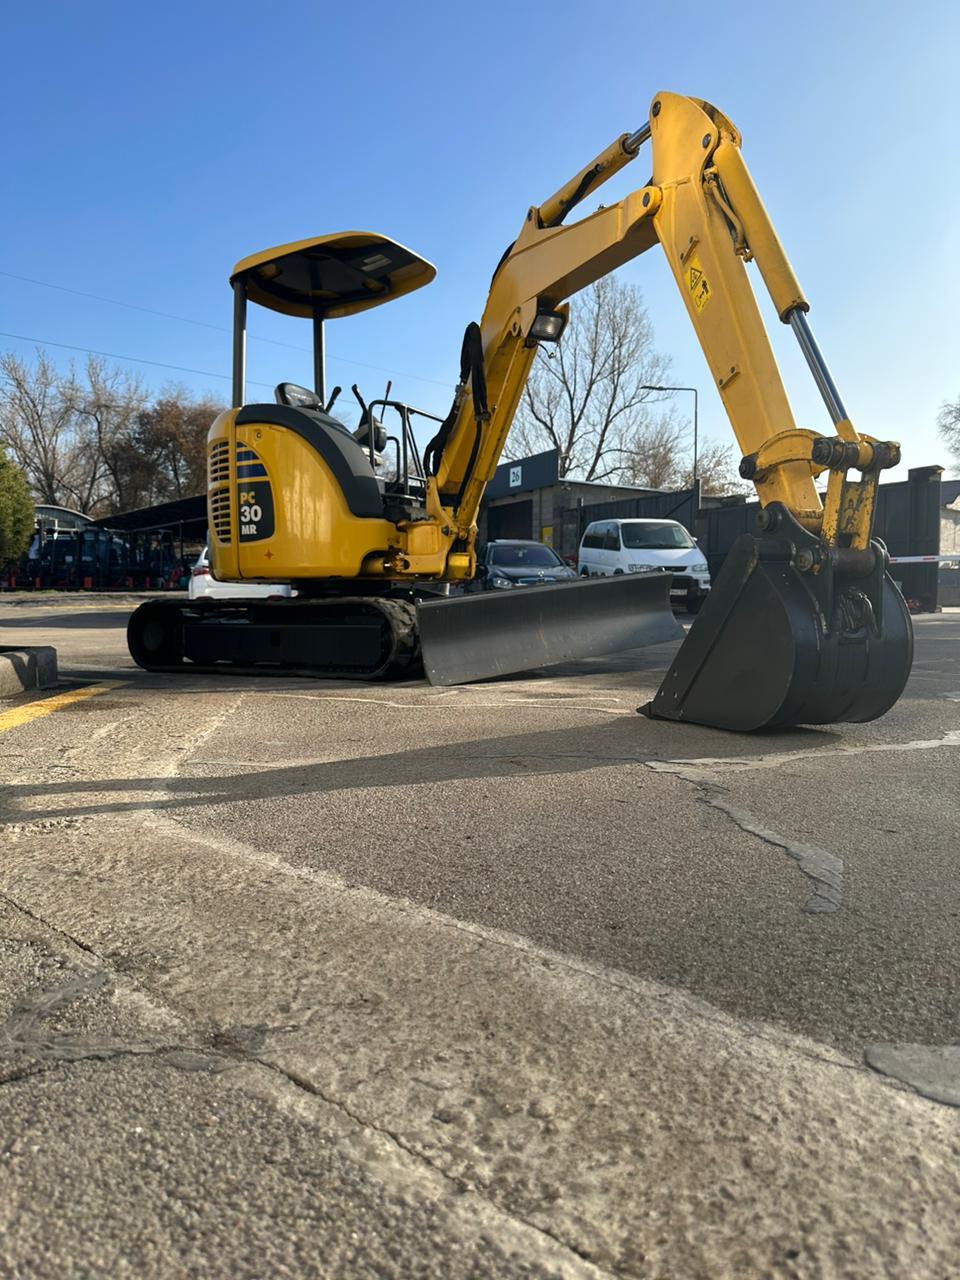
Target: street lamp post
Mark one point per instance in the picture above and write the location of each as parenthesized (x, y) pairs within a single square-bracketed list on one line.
[(645, 387)]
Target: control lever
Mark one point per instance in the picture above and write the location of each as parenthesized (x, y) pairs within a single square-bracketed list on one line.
[(333, 399), (362, 403)]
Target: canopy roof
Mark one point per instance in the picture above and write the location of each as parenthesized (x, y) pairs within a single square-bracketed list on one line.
[(335, 275)]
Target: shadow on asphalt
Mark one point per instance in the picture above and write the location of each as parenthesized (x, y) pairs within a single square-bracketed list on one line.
[(101, 621), (627, 740)]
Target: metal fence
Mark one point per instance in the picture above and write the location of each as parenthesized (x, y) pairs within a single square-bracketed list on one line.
[(681, 505)]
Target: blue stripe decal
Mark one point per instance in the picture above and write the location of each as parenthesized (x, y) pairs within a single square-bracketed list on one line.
[(252, 471)]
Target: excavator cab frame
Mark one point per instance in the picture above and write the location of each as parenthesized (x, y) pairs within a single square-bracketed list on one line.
[(328, 277), (320, 279)]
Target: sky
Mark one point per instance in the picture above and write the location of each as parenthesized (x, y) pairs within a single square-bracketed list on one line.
[(149, 148)]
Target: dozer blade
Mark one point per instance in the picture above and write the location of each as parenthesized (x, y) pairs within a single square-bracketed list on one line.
[(778, 644), (494, 633)]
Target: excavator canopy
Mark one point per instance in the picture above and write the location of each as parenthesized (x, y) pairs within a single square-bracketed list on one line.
[(331, 276)]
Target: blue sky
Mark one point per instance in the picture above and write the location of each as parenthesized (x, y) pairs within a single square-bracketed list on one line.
[(149, 147)]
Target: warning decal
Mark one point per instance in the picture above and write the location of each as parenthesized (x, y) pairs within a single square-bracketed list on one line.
[(697, 283)]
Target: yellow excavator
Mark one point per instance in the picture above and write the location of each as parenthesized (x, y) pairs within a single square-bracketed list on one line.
[(803, 624)]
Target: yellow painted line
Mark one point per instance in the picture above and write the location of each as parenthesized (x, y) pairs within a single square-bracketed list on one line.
[(17, 716)]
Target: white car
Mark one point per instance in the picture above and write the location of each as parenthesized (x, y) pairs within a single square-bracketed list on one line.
[(632, 546), (204, 586)]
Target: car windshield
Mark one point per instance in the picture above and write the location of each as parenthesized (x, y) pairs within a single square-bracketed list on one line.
[(525, 557), (660, 537)]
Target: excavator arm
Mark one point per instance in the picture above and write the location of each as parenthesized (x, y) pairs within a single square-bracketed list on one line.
[(803, 624)]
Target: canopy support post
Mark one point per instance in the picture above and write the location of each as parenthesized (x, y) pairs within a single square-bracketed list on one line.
[(319, 358), (239, 343)]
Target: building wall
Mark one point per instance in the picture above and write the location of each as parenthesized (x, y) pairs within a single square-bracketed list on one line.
[(949, 578), (950, 528)]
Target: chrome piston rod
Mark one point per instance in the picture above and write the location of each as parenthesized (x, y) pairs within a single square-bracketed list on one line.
[(818, 366), (636, 140)]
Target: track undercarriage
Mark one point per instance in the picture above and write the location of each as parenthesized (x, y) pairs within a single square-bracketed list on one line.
[(379, 636), (350, 637)]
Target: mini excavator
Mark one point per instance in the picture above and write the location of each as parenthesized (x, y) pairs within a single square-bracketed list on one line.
[(803, 625)]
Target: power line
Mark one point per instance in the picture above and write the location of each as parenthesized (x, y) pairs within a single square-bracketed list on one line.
[(204, 324), (112, 355), (132, 306)]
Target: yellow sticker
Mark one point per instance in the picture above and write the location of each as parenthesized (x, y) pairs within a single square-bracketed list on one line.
[(697, 283)]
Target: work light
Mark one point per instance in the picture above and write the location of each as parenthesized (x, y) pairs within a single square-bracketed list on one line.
[(548, 326)]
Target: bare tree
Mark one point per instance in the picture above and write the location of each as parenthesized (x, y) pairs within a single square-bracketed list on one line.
[(948, 424), (97, 443), (108, 409), (652, 459), (587, 397), (173, 431), (661, 458), (717, 470), (38, 424)]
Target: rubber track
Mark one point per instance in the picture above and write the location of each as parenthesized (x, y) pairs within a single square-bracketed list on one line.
[(403, 661)]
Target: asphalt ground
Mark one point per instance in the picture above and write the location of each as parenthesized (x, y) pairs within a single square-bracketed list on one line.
[(494, 980)]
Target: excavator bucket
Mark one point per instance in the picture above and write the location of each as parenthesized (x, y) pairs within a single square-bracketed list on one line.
[(792, 633), (494, 633)]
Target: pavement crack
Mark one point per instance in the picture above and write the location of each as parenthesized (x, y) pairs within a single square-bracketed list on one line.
[(309, 1086), (46, 924), (62, 1052), (23, 1035), (823, 869)]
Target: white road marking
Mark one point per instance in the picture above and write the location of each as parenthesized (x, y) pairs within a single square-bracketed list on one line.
[(707, 768), (430, 704)]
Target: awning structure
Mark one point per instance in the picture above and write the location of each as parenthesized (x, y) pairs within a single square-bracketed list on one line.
[(190, 513)]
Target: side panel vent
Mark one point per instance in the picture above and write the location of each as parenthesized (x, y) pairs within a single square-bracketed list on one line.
[(218, 490), (218, 463), (219, 502)]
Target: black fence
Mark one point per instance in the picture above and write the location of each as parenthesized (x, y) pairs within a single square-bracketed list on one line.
[(681, 506)]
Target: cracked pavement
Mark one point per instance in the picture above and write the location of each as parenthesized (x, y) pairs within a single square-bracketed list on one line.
[(313, 979)]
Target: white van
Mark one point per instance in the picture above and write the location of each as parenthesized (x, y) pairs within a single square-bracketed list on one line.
[(629, 546)]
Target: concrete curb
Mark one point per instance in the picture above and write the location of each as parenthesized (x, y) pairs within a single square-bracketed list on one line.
[(30, 667)]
